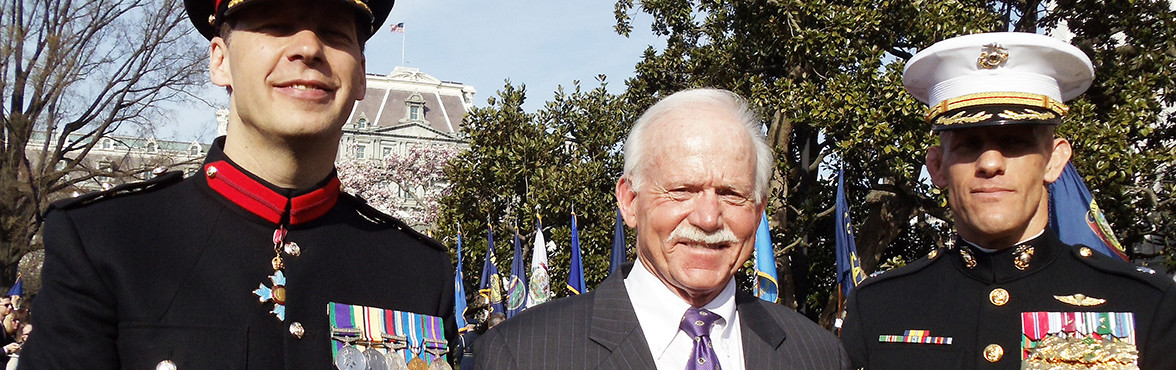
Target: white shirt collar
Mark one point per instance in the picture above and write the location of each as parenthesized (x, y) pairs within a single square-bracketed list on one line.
[(659, 310)]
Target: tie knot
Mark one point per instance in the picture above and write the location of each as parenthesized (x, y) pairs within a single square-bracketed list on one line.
[(697, 322)]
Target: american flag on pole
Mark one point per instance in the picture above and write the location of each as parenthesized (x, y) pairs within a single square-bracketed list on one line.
[(398, 28)]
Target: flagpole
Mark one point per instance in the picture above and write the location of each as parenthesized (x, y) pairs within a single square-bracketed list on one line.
[(403, 39), (840, 309)]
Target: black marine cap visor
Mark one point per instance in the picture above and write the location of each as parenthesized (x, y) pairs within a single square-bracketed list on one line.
[(201, 13)]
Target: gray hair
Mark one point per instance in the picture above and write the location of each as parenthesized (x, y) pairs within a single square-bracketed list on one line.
[(635, 144)]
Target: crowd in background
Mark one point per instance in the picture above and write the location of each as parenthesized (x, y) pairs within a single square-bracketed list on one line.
[(15, 312)]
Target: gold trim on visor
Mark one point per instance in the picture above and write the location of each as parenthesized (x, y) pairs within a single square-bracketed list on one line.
[(1027, 114), (959, 118), (992, 98)]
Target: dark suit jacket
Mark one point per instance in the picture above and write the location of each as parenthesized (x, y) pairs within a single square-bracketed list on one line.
[(599, 329), (168, 272)]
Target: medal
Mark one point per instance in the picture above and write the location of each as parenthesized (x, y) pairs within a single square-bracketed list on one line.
[(417, 364), (418, 350), (439, 364), (396, 361), (349, 358), (375, 359), (278, 292)]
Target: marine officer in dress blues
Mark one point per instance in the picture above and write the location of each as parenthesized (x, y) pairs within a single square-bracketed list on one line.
[(1008, 294), (236, 266)]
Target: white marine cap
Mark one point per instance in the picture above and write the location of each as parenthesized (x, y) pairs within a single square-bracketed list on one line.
[(1008, 72)]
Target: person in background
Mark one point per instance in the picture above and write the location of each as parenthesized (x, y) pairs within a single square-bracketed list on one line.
[(12, 324), (22, 336)]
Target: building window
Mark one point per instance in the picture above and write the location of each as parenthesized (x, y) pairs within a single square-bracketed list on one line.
[(387, 152), (360, 151), (362, 123), (414, 109), (152, 147), (107, 144), (194, 149)]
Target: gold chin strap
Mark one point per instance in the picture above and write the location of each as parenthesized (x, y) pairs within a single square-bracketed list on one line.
[(995, 98)]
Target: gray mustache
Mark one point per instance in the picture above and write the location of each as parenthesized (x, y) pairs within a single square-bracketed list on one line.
[(688, 232)]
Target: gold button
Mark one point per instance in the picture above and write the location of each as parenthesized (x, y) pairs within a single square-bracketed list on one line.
[(165, 365), (998, 297), (933, 254), (296, 330), (993, 353), (1085, 252), (211, 172)]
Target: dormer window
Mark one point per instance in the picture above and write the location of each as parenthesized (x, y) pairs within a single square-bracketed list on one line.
[(361, 123), (414, 109), (107, 144)]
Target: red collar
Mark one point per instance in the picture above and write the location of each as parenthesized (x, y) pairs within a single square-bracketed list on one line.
[(261, 200)]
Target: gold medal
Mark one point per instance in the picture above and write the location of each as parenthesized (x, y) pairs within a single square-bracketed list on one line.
[(417, 364)]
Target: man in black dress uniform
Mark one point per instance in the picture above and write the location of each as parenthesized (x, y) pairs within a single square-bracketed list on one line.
[(235, 267), (1008, 294)]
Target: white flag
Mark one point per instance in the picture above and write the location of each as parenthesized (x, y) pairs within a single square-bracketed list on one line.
[(540, 289)]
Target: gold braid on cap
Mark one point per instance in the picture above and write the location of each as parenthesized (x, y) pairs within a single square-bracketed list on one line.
[(992, 98)]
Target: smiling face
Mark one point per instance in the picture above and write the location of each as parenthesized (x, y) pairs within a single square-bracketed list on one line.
[(293, 70), (696, 214), (996, 179)]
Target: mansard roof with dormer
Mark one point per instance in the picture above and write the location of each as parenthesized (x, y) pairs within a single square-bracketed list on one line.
[(408, 98)]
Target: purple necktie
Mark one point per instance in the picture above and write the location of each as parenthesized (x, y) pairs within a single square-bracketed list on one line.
[(697, 323)]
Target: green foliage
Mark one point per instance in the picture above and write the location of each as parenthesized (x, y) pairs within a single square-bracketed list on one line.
[(563, 158), (1124, 142), (826, 77)]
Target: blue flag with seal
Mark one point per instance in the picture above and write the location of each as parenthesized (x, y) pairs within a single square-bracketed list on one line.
[(766, 285), (516, 292), (576, 272), (491, 284), (459, 297), (849, 269), (1075, 216), (618, 248)]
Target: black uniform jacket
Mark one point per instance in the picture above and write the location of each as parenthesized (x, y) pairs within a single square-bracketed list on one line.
[(980, 307), (167, 271)]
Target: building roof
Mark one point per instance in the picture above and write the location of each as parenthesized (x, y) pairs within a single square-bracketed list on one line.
[(388, 99)]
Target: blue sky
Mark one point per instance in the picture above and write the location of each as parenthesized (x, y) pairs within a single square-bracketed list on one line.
[(482, 43)]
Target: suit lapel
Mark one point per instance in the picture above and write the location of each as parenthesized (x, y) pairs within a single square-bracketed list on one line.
[(762, 335), (615, 327)]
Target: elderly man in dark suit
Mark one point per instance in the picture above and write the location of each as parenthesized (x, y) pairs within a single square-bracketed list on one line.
[(696, 172)]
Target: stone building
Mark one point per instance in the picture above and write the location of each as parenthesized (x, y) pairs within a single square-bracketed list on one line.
[(403, 108)]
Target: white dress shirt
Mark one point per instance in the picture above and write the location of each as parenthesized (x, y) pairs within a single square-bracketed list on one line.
[(660, 310)]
